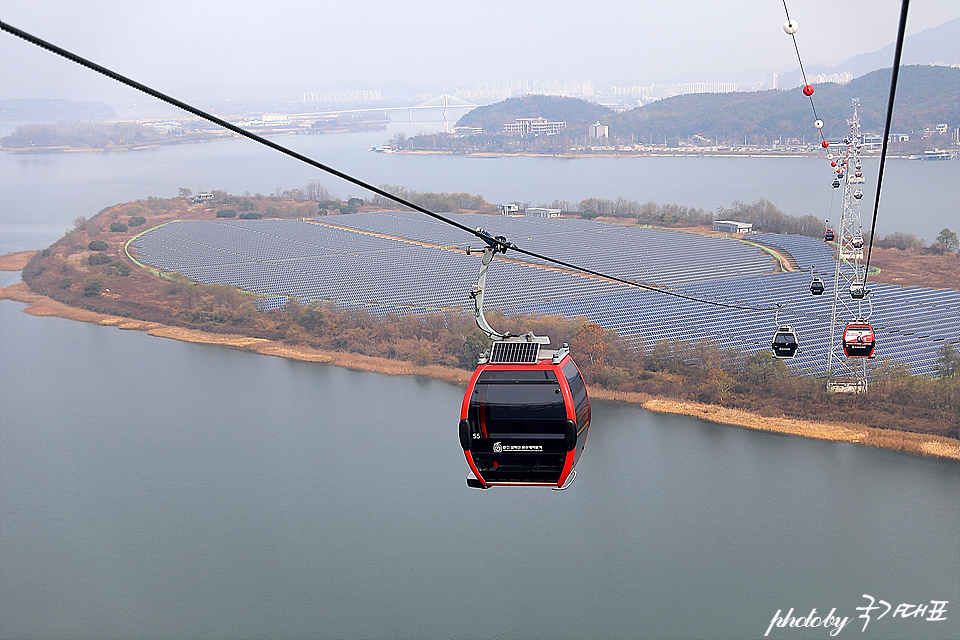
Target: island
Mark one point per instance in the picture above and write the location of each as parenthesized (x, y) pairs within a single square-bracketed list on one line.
[(90, 275)]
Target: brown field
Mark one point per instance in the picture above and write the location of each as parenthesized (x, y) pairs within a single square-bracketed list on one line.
[(913, 268)]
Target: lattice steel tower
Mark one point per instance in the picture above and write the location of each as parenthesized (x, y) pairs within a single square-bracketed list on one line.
[(851, 300)]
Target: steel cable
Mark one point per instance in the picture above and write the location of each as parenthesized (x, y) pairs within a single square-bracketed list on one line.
[(501, 243)]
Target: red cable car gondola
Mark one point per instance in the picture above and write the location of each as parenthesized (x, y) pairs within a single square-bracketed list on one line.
[(828, 235), (526, 413), (859, 340)]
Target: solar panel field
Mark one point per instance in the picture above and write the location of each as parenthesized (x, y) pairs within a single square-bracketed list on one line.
[(405, 263)]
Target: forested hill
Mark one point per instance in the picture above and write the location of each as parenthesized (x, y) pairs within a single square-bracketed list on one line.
[(926, 96), (573, 111)]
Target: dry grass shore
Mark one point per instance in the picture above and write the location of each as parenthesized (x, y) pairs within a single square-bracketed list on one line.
[(915, 443), (15, 261)]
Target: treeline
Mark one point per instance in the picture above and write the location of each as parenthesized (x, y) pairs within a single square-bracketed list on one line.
[(768, 218), (667, 215), (438, 202), (491, 143), (82, 135), (273, 206), (946, 242), (763, 214)]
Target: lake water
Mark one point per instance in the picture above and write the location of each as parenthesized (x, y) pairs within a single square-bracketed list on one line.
[(157, 489), (152, 488), (41, 194)]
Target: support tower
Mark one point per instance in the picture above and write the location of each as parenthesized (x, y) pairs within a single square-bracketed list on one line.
[(851, 299)]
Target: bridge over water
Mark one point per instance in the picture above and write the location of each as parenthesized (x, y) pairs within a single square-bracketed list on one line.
[(444, 101)]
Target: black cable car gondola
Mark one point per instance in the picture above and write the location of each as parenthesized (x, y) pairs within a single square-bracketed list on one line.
[(816, 286), (785, 343), (858, 290), (859, 340), (526, 413)]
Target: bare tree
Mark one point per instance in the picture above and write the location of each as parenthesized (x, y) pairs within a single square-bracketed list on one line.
[(315, 192), (399, 140)]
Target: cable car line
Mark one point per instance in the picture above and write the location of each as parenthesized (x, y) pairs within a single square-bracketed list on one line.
[(858, 339), (790, 27), (499, 242), (894, 73)]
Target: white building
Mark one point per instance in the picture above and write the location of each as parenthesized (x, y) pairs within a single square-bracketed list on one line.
[(540, 212), (534, 126), (731, 226), (598, 130)]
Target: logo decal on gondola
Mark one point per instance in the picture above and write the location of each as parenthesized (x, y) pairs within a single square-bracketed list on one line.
[(517, 448)]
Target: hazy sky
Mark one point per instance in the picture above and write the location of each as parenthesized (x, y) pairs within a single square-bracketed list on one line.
[(175, 45)]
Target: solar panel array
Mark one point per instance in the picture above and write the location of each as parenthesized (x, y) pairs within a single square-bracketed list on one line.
[(350, 267), (314, 262), (911, 324), (809, 255), (653, 256)]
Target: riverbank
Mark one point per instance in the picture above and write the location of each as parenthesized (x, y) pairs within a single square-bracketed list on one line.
[(641, 153), (915, 443), (15, 261), (115, 147)]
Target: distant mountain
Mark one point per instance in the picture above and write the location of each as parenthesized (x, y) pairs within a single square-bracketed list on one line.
[(926, 96), (48, 109), (934, 46), (575, 112)]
